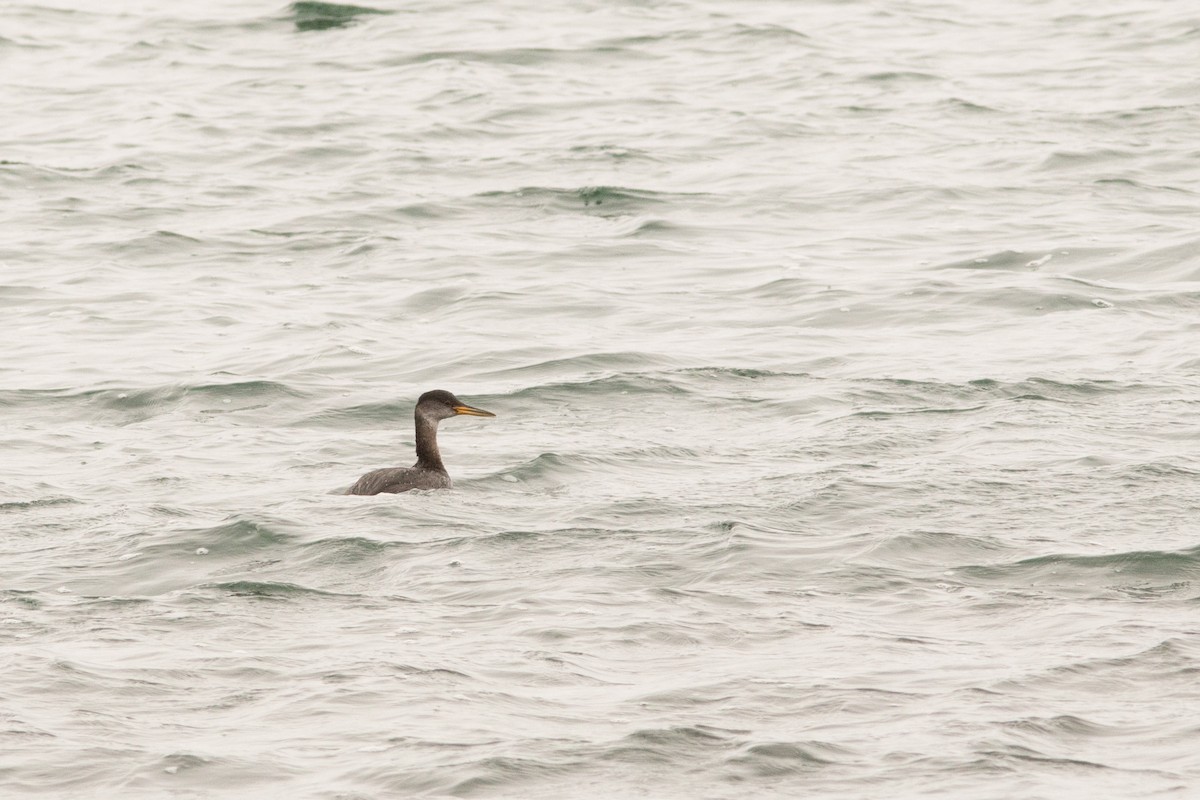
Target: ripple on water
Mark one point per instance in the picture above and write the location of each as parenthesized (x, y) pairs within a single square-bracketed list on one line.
[(1138, 574), (310, 15)]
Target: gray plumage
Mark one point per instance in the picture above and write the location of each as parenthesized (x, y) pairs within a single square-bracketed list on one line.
[(429, 472)]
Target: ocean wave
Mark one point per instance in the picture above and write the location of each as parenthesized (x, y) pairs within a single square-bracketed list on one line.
[(612, 198), (275, 590), (1142, 574), (128, 405), (310, 15)]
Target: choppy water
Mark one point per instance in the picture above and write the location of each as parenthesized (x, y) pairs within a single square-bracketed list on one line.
[(845, 358)]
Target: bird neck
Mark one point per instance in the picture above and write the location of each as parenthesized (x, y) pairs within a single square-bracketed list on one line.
[(427, 447)]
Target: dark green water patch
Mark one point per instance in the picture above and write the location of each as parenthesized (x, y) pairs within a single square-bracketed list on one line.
[(22, 597), (271, 590), (900, 77), (1140, 574), (35, 505), (959, 104), (314, 16)]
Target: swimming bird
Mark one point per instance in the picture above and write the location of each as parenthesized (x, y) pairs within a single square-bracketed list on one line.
[(428, 472)]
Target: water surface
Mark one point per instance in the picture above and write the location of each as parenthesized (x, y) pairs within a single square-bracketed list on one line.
[(844, 357)]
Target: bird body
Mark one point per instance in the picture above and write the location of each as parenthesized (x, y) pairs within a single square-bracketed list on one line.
[(428, 472), (393, 480)]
